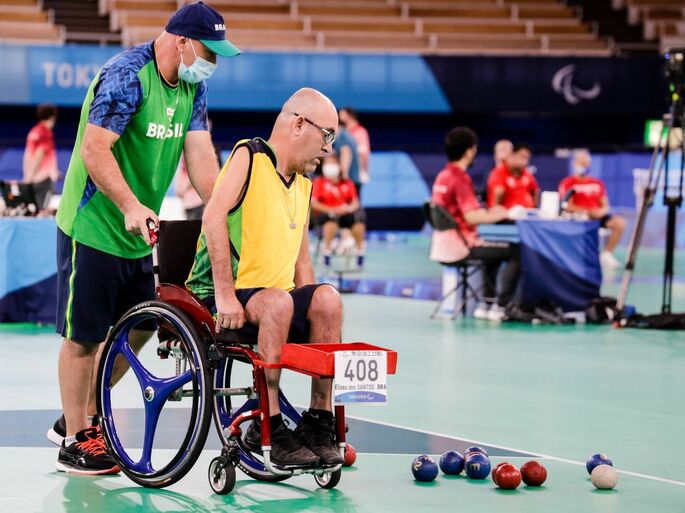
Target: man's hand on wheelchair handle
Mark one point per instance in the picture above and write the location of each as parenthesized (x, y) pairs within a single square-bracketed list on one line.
[(136, 220), (230, 314)]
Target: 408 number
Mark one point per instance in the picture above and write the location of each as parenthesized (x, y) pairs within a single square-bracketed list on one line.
[(363, 370)]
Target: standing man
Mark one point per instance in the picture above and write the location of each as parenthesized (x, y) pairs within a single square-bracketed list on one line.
[(587, 195), (146, 106), (345, 147), (350, 120), (40, 155), (253, 265), (510, 184)]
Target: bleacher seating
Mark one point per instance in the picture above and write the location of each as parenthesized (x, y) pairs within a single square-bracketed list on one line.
[(25, 21), (662, 20), (426, 26)]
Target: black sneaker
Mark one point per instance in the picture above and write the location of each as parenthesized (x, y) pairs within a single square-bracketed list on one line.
[(286, 448), (58, 431), (318, 434), (87, 455)]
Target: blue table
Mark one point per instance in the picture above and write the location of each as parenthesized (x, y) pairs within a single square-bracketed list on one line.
[(28, 270), (559, 259)]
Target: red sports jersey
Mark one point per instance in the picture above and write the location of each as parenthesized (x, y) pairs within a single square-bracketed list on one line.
[(453, 190), (333, 194), (40, 137), (589, 191), (518, 190)]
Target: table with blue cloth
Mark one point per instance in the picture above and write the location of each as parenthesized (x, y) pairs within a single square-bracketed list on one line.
[(28, 269), (559, 259)]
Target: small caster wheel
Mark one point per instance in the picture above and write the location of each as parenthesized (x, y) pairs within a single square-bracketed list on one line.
[(328, 480), (221, 475)]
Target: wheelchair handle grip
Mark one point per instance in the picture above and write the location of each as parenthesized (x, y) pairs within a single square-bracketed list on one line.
[(153, 231)]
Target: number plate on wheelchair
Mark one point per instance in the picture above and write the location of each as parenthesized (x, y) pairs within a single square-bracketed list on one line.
[(361, 377)]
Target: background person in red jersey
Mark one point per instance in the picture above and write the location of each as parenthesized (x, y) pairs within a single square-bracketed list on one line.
[(453, 190), (40, 155), (589, 197), (336, 205), (510, 184)]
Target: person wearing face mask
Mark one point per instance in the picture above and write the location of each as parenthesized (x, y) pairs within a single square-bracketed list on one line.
[(144, 107), (335, 202), (253, 265), (587, 195)]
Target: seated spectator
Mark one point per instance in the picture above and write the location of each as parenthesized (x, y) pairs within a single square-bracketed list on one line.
[(510, 184), (453, 190), (587, 195), (336, 205)]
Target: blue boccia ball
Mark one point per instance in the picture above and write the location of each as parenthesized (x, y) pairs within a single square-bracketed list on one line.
[(424, 468), (452, 463), (473, 449), (597, 459), (477, 466)]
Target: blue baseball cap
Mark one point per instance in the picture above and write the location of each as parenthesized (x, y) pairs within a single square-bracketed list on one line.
[(199, 21)]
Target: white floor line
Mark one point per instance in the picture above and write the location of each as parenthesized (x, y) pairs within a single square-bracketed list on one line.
[(532, 453)]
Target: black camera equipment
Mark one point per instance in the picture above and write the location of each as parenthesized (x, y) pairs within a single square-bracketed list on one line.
[(673, 122)]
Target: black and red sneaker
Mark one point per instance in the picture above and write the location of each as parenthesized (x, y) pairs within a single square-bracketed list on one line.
[(58, 431), (88, 455)]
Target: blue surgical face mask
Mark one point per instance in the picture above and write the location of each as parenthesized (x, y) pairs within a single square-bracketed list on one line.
[(198, 71)]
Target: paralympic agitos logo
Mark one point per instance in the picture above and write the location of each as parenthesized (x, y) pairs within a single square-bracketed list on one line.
[(562, 83)]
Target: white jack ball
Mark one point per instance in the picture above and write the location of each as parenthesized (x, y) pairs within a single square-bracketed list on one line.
[(604, 477)]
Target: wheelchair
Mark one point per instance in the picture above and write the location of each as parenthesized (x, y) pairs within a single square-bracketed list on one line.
[(188, 363)]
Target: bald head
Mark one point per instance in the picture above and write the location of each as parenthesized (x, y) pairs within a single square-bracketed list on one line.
[(303, 127), (582, 158), (312, 104)]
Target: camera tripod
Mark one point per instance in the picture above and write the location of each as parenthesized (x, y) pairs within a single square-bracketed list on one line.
[(673, 200)]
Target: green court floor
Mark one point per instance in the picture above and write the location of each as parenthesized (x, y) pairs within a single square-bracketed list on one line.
[(558, 393)]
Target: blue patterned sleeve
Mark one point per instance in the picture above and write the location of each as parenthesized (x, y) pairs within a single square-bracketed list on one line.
[(198, 121), (117, 97)]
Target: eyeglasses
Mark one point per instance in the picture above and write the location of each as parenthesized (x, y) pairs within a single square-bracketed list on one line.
[(328, 135)]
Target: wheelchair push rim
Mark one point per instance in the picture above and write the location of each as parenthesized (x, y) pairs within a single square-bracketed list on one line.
[(155, 392)]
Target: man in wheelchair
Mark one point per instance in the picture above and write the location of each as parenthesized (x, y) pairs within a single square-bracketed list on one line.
[(253, 264)]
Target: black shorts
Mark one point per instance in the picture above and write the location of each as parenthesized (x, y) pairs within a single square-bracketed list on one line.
[(95, 289), (605, 220), (302, 298), (345, 221)]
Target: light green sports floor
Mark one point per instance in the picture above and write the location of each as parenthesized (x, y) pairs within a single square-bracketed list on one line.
[(562, 393)]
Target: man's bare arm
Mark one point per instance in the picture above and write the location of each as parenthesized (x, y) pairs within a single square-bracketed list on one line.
[(96, 152), (230, 313), (304, 271), (201, 162)]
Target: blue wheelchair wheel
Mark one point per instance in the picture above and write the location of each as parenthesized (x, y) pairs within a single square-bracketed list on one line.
[(189, 380), (251, 463)]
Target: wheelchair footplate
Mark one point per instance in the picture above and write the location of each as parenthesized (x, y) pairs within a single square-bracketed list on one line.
[(363, 380)]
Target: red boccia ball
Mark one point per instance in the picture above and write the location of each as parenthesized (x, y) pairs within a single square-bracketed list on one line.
[(494, 470), (350, 456), (533, 473), (508, 477)]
